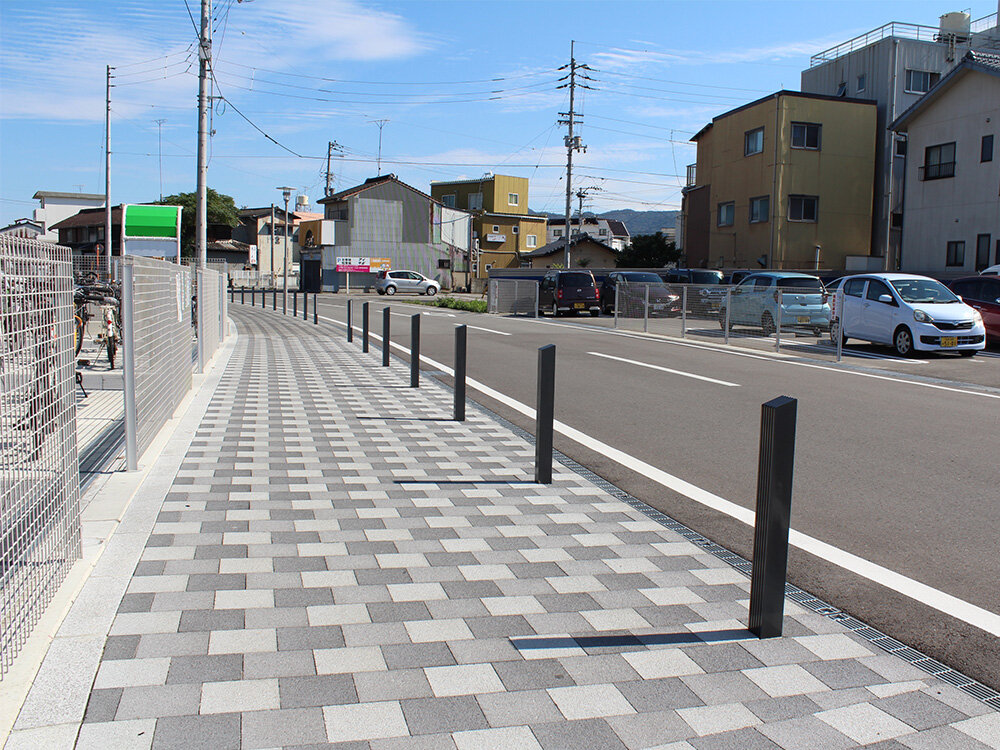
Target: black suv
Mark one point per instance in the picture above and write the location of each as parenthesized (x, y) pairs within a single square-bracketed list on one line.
[(706, 292), (633, 285), (570, 292)]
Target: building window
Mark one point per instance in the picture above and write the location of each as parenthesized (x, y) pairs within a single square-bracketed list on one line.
[(861, 83), (982, 251), (727, 214), (515, 229), (900, 147), (920, 81), (531, 240), (842, 89), (753, 142), (512, 199), (806, 135), (496, 228), (449, 200), (939, 161), (602, 232), (760, 209), (803, 207), (897, 220), (986, 149), (557, 233), (956, 254), (475, 201)]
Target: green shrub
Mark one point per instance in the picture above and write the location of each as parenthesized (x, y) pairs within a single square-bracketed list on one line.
[(470, 305)]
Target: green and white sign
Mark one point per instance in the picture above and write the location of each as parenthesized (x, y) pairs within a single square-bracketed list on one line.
[(152, 231)]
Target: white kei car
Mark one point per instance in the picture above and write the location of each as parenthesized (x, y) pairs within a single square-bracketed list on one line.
[(907, 312)]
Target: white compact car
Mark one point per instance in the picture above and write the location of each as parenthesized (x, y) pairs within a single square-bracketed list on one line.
[(907, 312)]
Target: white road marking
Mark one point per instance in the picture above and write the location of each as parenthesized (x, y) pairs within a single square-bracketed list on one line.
[(666, 369), (488, 330), (943, 602)]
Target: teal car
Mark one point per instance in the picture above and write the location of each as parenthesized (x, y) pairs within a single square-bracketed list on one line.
[(804, 302)]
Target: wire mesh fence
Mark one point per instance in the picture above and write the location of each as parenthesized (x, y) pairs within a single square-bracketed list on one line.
[(157, 297), (209, 314), (513, 297), (39, 475)]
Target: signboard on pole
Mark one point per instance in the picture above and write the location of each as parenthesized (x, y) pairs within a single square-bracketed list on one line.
[(363, 265), (151, 231)]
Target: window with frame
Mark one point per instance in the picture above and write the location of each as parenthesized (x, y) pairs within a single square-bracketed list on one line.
[(449, 200), (920, 81), (760, 209), (842, 89), (557, 233), (475, 201), (982, 251), (806, 135), (515, 229), (955, 254), (496, 228), (602, 232), (876, 289), (753, 141), (939, 161), (986, 148), (531, 240), (726, 214), (512, 199), (900, 147), (862, 82), (854, 287), (803, 208)]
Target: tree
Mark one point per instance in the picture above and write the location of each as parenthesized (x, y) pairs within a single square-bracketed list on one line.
[(648, 251), (221, 210)]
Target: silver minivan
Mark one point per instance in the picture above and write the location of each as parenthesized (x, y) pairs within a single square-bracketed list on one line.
[(405, 282)]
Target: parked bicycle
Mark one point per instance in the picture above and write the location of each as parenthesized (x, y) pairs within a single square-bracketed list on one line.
[(107, 296)]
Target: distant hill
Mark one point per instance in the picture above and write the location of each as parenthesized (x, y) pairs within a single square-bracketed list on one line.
[(637, 222)]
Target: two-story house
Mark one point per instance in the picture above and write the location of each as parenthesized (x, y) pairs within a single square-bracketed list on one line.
[(501, 223), (782, 182), (609, 231), (951, 216)]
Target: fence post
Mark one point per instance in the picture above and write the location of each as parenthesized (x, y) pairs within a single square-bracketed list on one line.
[(839, 299), (536, 311), (460, 361), (385, 336), (645, 319), (777, 325), (350, 321), (684, 309), (774, 504), (517, 299), (415, 351), (364, 327), (729, 307), (128, 366), (618, 297), (544, 413)]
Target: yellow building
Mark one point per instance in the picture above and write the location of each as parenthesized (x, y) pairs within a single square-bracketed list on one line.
[(782, 182), (501, 223)]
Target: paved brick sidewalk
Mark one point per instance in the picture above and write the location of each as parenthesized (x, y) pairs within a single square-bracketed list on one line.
[(338, 565)]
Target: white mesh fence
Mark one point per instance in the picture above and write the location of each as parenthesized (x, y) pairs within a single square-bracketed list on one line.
[(39, 473), (513, 297), (209, 313)]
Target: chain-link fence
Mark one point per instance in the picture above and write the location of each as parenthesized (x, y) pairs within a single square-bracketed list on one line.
[(513, 297), (95, 268), (209, 314), (634, 304), (157, 317), (39, 475), (256, 280)]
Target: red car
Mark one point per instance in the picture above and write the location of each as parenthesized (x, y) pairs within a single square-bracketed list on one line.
[(982, 293)]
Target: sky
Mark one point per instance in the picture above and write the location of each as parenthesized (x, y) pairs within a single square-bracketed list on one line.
[(456, 89)]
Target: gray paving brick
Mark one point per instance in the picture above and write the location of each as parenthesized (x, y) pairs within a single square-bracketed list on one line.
[(151, 702), (533, 675), (437, 715), (207, 619), (653, 695), (121, 647), (102, 705), (218, 732), (919, 710), (284, 728), (406, 656), (213, 668), (843, 673), (316, 690), (745, 739), (296, 639), (593, 734)]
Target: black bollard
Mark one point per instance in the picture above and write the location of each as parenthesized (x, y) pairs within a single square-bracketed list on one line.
[(316, 308), (253, 296), (263, 298), (295, 304), (305, 305), (385, 336), (364, 327), (415, 351), (350, 322), (544, 413), (284, 302), (460, 357), (773, 517), (274, 299), (242, 289)]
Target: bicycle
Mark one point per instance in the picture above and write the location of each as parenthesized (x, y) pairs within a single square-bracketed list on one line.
[(107, 296)]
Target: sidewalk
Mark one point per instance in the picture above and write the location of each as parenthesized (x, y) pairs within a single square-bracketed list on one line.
[(336, 563)]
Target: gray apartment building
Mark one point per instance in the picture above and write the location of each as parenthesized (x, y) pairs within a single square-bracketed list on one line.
[(894, 65)]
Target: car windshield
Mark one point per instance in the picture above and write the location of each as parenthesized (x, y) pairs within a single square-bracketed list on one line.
[(576, 279), (801, 282), (923, 290), (706, 277), (642, 278)]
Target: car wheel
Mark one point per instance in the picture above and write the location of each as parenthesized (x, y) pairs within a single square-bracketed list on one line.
[(380, 291), (555, 310), (767, 324), (902, 341), (390, 290), (968, 352), (722, 320), (596, 313), (431, 291)]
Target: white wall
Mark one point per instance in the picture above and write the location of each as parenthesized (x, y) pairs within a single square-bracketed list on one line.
[(54, 210)]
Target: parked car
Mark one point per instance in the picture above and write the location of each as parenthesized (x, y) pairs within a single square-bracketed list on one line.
[(991, 271), (569, 292), (737, 276), (982, 293), (406, 282), (755, 300), (633, 285), (908, 312), (706, 291)]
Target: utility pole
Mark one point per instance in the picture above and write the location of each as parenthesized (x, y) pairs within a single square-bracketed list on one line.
[(286, 193), (573, 142), (107, 169), (159, 151), (204, 66), (332, 146), (381, 124), (272, 243), (581, 194)]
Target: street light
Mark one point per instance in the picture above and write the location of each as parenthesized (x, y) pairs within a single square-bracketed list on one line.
[(286, 192)]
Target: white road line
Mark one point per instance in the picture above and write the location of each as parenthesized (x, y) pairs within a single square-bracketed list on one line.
[(488, 330), (921, 592), (666, 369)]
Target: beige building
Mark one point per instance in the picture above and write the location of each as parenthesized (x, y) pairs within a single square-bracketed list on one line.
[(782, 182), (501, 223)]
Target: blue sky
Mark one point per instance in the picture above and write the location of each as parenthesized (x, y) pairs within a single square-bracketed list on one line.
[(466, 87)]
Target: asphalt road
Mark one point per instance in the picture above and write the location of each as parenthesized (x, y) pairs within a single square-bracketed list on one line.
[(892, 467)]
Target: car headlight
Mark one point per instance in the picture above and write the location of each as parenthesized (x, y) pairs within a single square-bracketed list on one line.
[(921, 317), (977, 317)]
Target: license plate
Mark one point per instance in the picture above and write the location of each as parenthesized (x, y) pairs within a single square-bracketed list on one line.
[(579, 305), (802, 319), (949, 341)]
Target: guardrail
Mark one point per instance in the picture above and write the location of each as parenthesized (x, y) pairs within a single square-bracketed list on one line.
[(39, 472)]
